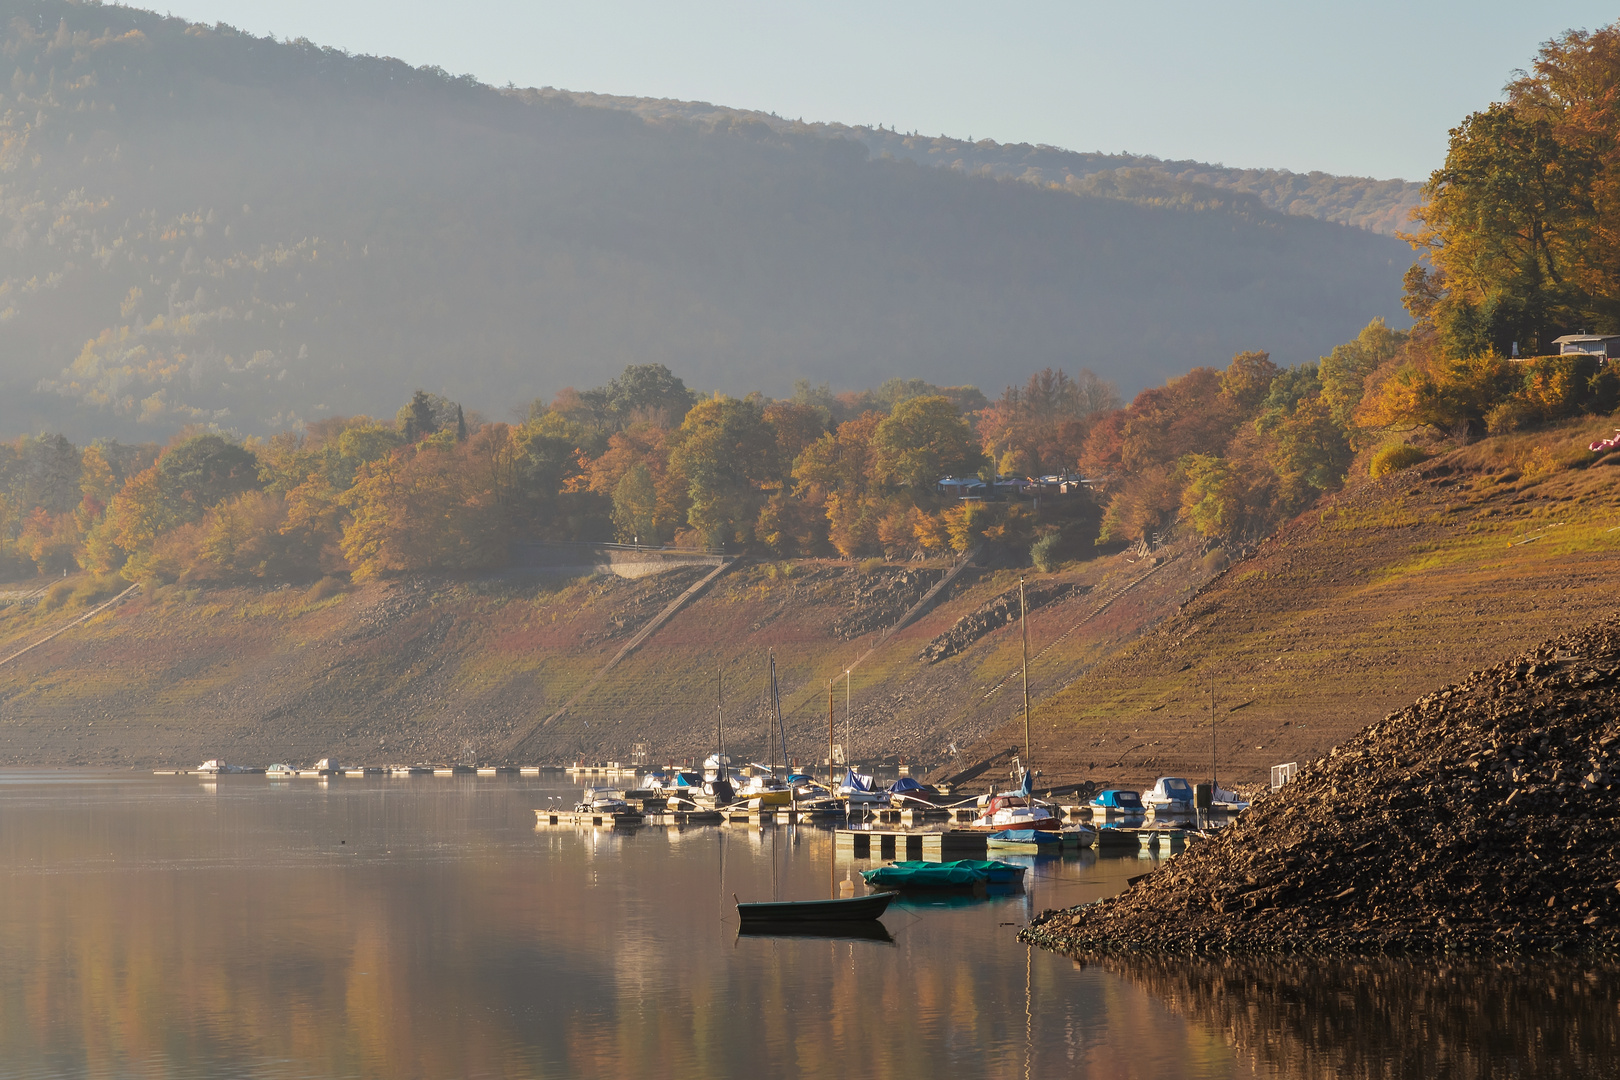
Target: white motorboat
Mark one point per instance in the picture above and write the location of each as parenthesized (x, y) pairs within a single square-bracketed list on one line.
[(215, 766), (1015, 811), (1169, 795), (280, 772), (602, 801)]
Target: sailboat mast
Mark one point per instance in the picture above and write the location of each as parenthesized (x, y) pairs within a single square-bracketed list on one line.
[(1023, 625), (1214, 781), (776, 711), (719, 725), (829, 734), (849, 755)]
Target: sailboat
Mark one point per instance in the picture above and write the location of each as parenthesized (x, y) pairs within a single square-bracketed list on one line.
[(1019, 810), (717, 787), (766, 790)]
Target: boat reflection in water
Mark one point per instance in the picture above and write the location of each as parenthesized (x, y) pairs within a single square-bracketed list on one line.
[(377, 929)]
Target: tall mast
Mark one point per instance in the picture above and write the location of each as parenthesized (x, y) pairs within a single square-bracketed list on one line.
[(719, 726), (849, 755), (779, 732), (1213, 779), (1023, 625), (829, 735)]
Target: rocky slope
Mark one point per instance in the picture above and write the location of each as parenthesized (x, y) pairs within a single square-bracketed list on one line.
[(1481, 819)]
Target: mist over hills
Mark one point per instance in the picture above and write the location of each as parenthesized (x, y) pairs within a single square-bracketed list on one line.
[(1382, 206), (197, 225)]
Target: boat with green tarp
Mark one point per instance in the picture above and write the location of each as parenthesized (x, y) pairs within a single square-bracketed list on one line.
[(958, 874)]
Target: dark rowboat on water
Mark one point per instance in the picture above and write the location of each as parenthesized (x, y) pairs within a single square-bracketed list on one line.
[(848, 909)]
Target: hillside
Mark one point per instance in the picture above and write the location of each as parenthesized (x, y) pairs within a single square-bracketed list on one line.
[(203, 226), (1380, 594), (1380, 206), (1377, 595)]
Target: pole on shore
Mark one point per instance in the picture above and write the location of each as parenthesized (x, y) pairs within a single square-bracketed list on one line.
[(1023, 625)]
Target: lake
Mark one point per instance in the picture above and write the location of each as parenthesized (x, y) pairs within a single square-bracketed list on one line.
[(425, 927)]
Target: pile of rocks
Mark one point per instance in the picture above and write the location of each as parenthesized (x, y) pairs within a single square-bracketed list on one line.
[(1481, 819), (993, 615), (881, 597)]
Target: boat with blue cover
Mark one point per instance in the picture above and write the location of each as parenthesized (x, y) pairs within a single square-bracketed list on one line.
[(958, 874), (1024, 840)]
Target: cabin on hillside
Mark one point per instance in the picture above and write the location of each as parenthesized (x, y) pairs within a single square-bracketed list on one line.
[(1603, 345)]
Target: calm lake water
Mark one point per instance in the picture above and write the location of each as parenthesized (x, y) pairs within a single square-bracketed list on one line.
[(167, 927)]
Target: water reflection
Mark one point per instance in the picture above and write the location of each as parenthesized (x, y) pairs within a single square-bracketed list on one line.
[(1400, 1018), (427, 928)]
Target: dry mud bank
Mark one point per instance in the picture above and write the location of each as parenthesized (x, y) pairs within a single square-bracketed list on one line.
[(442, 669), (1481, 819)]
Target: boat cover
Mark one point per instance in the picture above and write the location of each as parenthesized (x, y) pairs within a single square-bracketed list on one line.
[(905, 786), (854, 781), (1026, 836), (962, 873)]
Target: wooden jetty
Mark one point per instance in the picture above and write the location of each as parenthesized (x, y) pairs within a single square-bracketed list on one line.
[(626, 819), (781, 815), (936, 845), (611, 771)]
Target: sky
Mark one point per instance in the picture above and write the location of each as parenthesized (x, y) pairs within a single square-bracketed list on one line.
[(1366, 89)]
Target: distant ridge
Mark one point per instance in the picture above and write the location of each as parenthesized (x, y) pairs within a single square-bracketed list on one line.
[(1381, 206), (201, 226)]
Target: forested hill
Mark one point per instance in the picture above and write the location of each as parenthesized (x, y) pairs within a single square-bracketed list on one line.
[(1382, 206), (200, 225)]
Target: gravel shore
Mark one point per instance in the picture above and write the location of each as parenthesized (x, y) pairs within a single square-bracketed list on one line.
[(1482, 819)]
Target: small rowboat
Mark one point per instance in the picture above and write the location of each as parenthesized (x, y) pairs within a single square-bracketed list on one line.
[(846, 909)]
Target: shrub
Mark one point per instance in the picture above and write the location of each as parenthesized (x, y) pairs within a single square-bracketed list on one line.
[(56, 595), (875, 563), (1044, 553), (97, 588), (1215, 561), (1392, 459), (326, 587)]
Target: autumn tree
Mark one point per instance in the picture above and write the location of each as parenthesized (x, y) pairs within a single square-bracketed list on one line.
[(1041, 427)]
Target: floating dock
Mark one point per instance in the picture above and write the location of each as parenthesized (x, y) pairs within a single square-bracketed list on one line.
[(611, 771), (626, 820), (936, 846)]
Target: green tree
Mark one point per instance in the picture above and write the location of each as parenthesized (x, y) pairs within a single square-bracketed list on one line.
[(922, 440), (726, 451), (1343, 372), (1213, 498), (417, 419), (635, 505)]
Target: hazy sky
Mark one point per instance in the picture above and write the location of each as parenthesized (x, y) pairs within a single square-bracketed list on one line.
[(1366, 88)]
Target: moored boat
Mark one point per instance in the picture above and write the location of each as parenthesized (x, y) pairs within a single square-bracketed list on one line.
[(845, 909), (1118, 800), (1025, 840), (857, 790), (958, 874), (1169, 795)]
